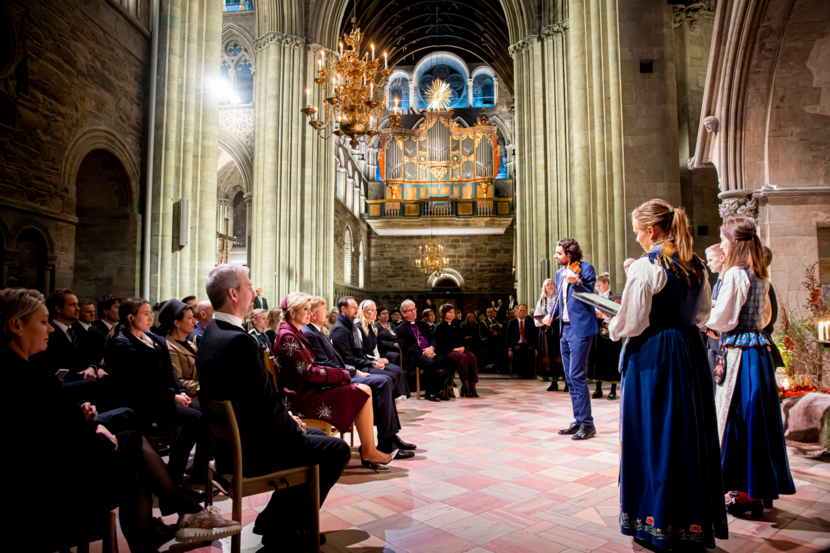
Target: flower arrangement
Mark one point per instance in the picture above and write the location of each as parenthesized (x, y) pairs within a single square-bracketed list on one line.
[(796, 339)]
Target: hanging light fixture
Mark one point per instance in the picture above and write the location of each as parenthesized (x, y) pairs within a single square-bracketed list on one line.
[(346, 87)]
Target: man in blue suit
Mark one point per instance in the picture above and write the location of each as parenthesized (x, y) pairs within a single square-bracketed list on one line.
[(577, 327)]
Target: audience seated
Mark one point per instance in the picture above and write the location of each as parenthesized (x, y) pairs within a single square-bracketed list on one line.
[(257, 325), (491, 338), (385, 331), (322, 392), (366, 346), (139, 362), (428, 316), (177, 319), (385, 414), (418, 347), (450, 341), (107, 315), (231, 368), (521, 342), (274, 318), (203, 314), (190, 301), (331, 320), (104, 470), (396, 318)]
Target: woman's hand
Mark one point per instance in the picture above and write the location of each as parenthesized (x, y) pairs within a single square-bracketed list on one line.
[(103, 430), (90, 412), (384, 360), (182, 399)]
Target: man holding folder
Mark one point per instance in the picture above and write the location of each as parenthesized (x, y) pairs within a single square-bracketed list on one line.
[(577, 327)]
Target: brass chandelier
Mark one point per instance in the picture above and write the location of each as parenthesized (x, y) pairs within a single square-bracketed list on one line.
[(346, 87), (430, 258)]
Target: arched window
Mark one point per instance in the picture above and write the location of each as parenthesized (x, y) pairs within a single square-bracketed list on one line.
[(399, 90), (361, 264), (483, 89), (347, 257)]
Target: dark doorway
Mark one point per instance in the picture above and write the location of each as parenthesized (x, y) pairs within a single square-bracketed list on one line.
[(29, 266)]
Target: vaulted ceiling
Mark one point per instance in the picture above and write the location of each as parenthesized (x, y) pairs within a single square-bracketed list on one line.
[(475, 30)]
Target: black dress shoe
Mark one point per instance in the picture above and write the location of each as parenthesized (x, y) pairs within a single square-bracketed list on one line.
[(572, 429), (554, 386), (400, 444), (597, 394), (196, 495), (404, 454), (585, 432), (755, 507), (443, 396), (432, 397), (612, 396)]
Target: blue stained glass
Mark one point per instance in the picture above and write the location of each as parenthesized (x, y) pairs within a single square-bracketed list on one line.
[(244, 82)]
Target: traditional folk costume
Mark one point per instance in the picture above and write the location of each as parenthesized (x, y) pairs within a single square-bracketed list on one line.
[(549, 360), (604, 360), (671, 491), (754, 454)]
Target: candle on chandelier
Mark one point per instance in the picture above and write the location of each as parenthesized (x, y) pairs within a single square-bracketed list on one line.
[(320, 64), (373, 52), (341, 49), (385, 61)]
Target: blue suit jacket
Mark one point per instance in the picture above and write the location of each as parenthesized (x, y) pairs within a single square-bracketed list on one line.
[(583, 317), (324, 352)]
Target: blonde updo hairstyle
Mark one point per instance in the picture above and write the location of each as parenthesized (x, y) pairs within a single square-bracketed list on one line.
[(292, 304), (17, 303), (672, 223)]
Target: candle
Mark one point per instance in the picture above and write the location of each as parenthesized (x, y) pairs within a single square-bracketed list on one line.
[(320, 65), (307, 97), (824, 331), (323, 57), (396, 106), (385, 61), (373, 52), (341, 49)]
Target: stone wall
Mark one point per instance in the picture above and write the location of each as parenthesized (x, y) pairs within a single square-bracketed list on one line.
[(345, 218), (485, 263), (87, 67)]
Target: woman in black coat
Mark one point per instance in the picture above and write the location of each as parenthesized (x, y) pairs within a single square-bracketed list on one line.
[(385, 331), (97, 471), (450, 340), (138, 362)]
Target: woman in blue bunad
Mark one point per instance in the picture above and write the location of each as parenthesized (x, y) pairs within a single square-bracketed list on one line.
[(671, 492), (753, 451)]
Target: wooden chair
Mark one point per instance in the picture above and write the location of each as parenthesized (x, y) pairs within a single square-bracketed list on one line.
[(311, 423), (418, 372), (510, 361), (108, 537), (221, 420)]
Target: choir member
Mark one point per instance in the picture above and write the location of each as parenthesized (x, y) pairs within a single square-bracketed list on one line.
[(603, 363), (549, 360)]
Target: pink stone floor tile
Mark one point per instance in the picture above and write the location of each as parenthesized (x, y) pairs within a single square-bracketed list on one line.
[(539, 482), (435, 541), (522, 542), (511, 517), (473, 481), (529, 466), (476, 503)]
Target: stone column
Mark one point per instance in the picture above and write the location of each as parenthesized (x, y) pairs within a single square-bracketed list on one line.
[(46, 273), (248, 197), (495, 91), (187, 112)]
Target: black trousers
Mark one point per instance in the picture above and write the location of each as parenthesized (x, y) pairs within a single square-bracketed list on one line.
[(524, 358), (383, 403), (288, 510), (118, 420), (189, 419), (438, 371), (400, 385)]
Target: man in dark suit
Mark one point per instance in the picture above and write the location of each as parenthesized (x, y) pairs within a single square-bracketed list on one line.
[(203, 316), (714, 260), (418, 347), (491, 338), (521, 342), (512, 304), (343, 357), (501, 311), (108, 307), (231, 368), (259, 301), (577, 328)]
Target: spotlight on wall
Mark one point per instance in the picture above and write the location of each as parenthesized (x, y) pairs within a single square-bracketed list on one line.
[(225, 91)]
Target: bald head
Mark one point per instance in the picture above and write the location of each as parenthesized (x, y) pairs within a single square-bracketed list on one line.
[(204, 313), (627, 264)]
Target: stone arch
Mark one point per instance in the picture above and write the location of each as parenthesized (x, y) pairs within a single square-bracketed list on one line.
[(348, 247), (361, 266), (102, 206), (504, 130), (101, 138), (287, 16), (32, 257), (240, 154), (238, 64), (451, 273)]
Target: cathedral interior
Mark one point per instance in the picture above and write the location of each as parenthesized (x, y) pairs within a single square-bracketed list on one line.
[(142, 142)]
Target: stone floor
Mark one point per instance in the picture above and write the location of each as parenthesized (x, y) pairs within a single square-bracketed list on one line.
[(492, 474)]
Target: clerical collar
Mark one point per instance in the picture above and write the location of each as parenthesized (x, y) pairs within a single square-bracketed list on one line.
[(228, 318)]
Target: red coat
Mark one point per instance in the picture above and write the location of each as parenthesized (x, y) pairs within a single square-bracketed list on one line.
[(314, 391)]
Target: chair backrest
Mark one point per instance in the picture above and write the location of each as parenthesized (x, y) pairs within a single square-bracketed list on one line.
[(221, 420), (272, 368)]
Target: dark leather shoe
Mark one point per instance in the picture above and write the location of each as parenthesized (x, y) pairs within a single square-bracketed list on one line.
[(585, 432), (402, 445), (443, 397), (196, 495), (404, 454), (572, 429), (597, 394), (612, 396), (432, 397)]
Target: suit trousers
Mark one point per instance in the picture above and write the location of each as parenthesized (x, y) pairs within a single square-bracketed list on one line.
[(383, 403), (400, 385), (189, 419), (575, 351), (288, 510), (438, 371), (524, 359)]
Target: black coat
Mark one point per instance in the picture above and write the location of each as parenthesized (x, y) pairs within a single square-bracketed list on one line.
[(324, 353), (370, 339), (448, 336), (61, 353), (91, 342), (342, 338), (386, 338), (409, 342), (230, 367), (144, 376), (531, 333), (260, 303)]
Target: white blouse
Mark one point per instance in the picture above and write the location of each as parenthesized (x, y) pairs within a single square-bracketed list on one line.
[(734, 290), (646, 279), (543, 307)]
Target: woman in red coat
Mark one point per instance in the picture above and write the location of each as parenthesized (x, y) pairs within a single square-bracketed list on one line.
[(318, 392)]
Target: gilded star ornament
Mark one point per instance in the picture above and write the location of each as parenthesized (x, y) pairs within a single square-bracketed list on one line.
[(438, 95)]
